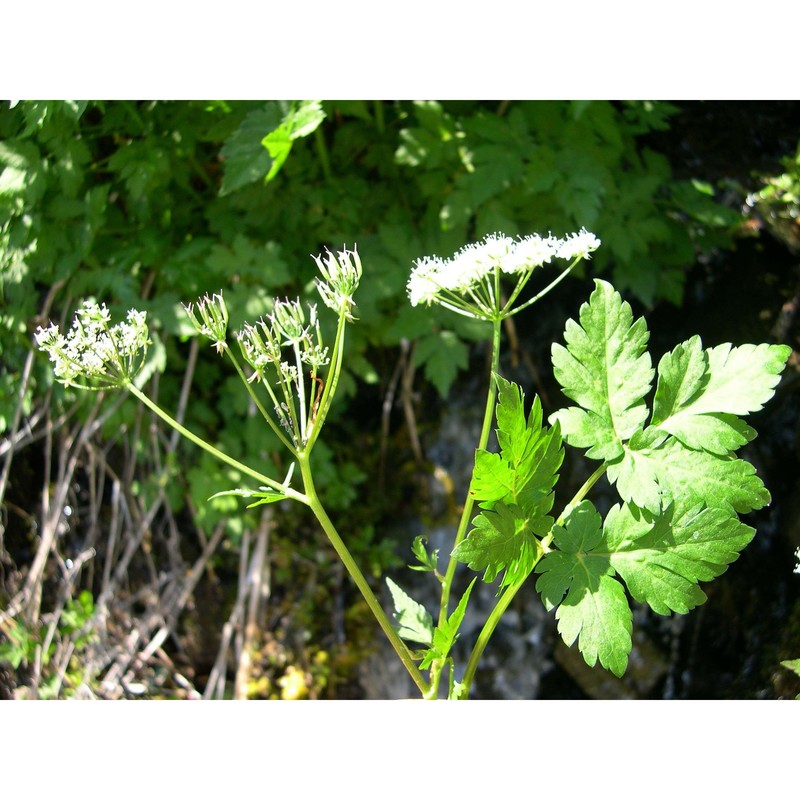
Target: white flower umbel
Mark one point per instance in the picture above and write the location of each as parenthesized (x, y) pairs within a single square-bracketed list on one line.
[(469, 282), (93, 354), (797, 556), (578, 245)]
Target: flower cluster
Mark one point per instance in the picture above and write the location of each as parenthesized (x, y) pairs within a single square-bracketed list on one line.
[(797, 556), (469, 281), (93, 354), (341, 275), (263, 345), (285, 350), (209, 315)]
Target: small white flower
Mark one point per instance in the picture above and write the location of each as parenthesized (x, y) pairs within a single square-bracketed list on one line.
[(92, 349), (210, 319), (288, 320), (93, 363), (469, 267), (341, 276), (489, 253), (467, 282), (578, 245), (259, 345), (797, 556), (342, 271), (531, 252), (92, 313), (289, 371), (315, 356), (424, 284), (49, 338)]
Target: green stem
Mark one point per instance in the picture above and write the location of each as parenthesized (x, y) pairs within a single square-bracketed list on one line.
[(322, 152), (580, 494), (202, 443), (436, 674), (486, 633), (275, 429), (466, 514), (507, 596), (544, 291), (329, 389), (356, 574), (301, 392)]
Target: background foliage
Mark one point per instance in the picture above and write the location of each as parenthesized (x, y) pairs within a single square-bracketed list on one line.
[(149, 204)]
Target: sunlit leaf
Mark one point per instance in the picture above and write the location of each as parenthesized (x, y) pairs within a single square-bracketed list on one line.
[(606, 369), (414, 623), (590, 604)]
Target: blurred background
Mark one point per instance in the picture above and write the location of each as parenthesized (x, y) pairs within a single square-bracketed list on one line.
[(119, 579)]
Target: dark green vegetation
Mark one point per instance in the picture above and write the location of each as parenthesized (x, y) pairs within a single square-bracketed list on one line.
[(151, 204)]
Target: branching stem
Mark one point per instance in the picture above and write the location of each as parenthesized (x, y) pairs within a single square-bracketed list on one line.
[(508, 595), (358, 578), (209, 448)]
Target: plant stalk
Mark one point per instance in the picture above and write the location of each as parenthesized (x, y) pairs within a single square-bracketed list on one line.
[(322, 152), (209, 448), (259, 405), (358, 577), (466, 514), (507, 596), (486, 633)]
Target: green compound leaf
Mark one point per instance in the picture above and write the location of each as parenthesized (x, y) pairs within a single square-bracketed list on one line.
[(515, 487), (443, 355), (492, 478), (414, 623), (700, 392), (662, 560), (656, 471), (245, 159), (606, 369), (590, 604), (526, 469), (444, 637), (516, 435), (501, 540), (686, 454), (532, 452)]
